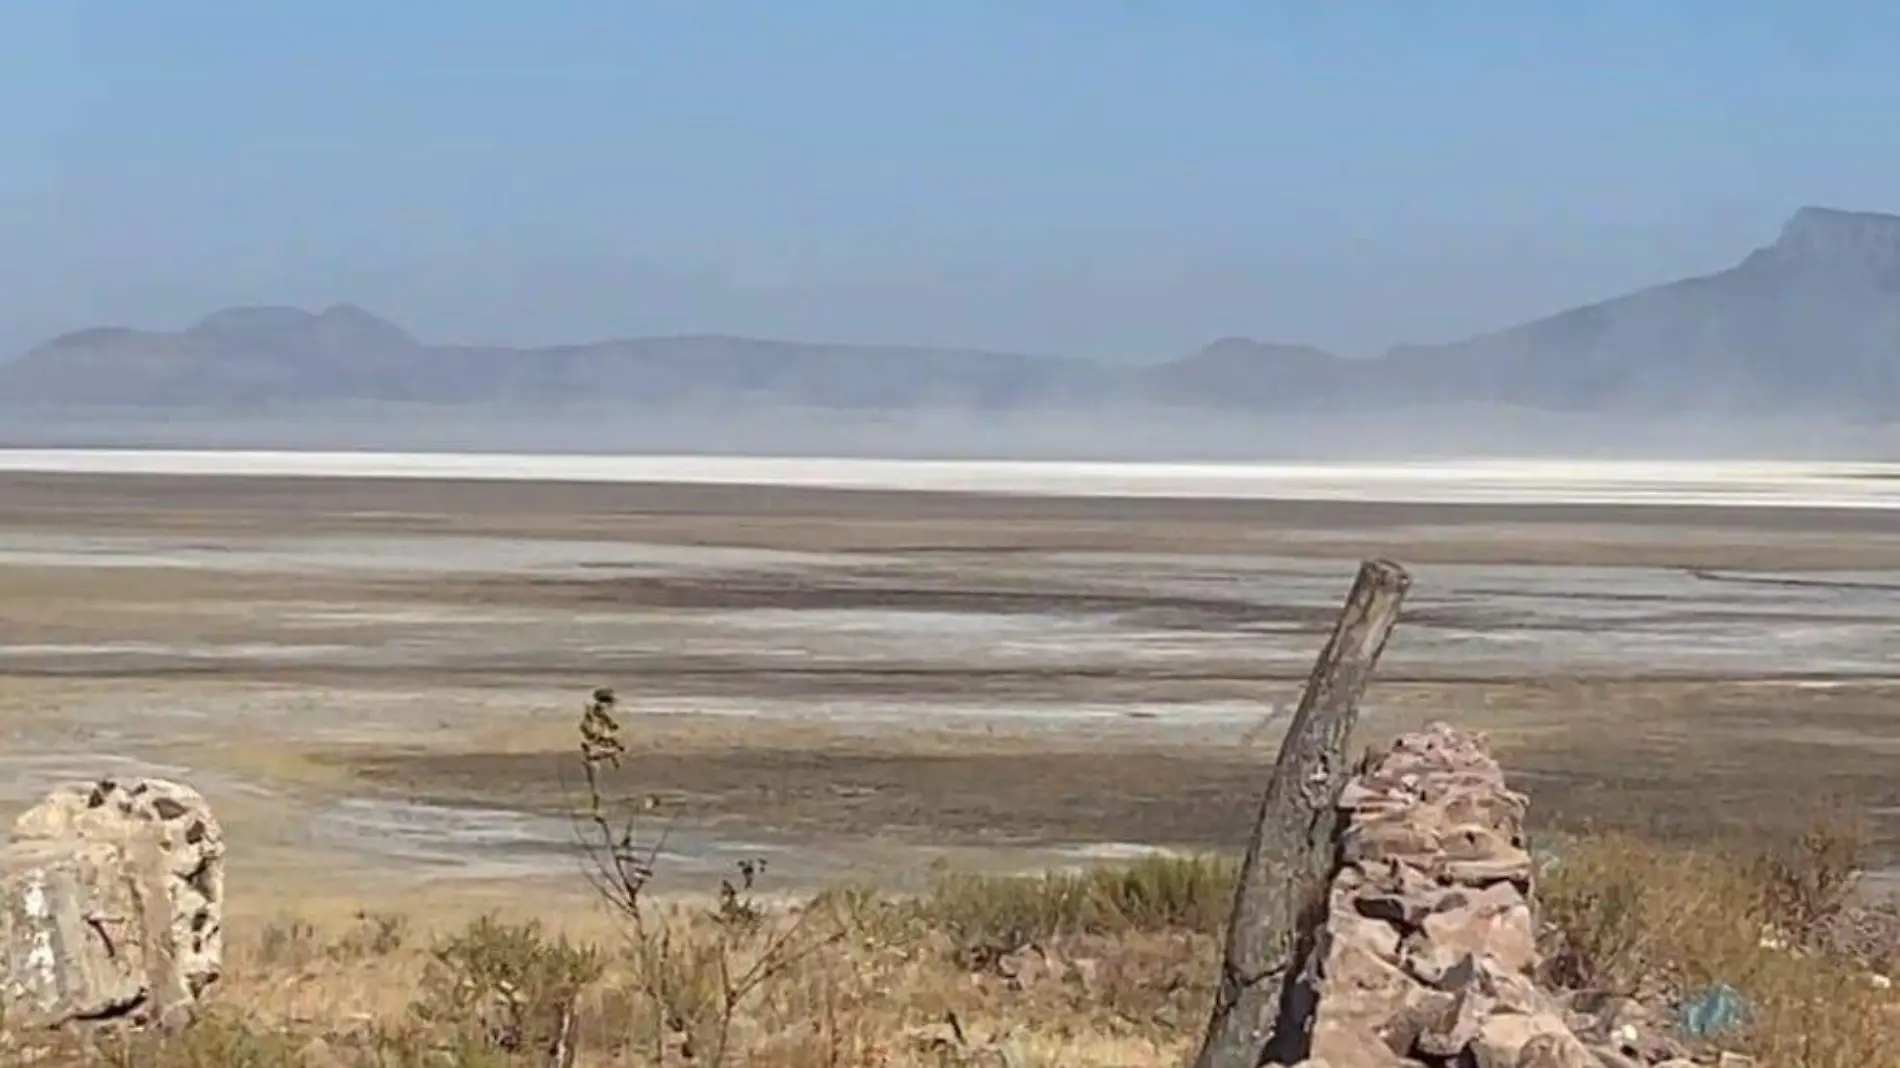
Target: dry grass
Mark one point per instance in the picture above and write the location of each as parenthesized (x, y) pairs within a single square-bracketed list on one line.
[(1108, 967), (1663, 923), (1088, 969)]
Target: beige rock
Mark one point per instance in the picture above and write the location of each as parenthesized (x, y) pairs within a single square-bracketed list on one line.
[(1486, 805), (1511, 1040), (1502, 933), (69, 934), (174, 821), (1388, 877), (1475, 855), (1359, 982), (1424, 1012), (1514, 866), (1363, 796), (1407, 908), (1475, 841), (1556, 1049), (1516, 992), (1459, 1027), (1389, 836), (1369, 1011), (1349, 1048), (121, 883)]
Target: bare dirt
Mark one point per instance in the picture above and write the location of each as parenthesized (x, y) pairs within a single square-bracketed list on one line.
[(376, 682)]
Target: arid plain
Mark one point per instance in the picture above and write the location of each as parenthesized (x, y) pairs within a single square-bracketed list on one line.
[(376, 681)]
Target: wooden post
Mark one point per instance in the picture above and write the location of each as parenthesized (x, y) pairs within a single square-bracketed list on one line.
[(1283, 878)]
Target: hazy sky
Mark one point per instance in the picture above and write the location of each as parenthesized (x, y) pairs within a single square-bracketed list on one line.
[(1114, 179)]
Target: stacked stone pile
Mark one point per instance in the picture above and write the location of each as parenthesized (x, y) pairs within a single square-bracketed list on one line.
[(1427, 955)]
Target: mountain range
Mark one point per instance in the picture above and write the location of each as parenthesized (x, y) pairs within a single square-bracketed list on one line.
[(1807, 324)]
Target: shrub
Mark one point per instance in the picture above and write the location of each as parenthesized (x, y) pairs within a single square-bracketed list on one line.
[(507, 987), (989, 916), (1638, 919)]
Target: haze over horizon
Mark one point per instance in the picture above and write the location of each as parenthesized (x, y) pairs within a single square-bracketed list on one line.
[(1110, 182)]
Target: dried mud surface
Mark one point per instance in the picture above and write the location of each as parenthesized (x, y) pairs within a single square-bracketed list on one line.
[(375, 682)]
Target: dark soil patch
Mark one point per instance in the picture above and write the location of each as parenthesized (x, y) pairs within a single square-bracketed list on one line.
[(1026, 798)]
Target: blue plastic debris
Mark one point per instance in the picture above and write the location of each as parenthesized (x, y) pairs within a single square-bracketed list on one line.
[(1715, 1011)]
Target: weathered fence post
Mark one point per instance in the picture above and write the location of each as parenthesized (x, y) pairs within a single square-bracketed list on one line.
[(1284, 875)]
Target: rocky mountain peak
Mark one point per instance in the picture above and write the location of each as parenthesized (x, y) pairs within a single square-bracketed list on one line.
[(1830, 238)]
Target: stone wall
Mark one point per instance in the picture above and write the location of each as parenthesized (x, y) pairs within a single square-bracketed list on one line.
[(1428, 952)]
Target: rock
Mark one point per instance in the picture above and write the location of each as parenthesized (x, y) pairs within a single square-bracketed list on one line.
[(1513, 1040), (1365, 994), (1489, 926), (113, 895), (1553, 1049), (176, 821), (1421, 1018), (1391, 836), (1518, 993), (1379, 938), (1514, 866), (69, 934), (1459, 1027)]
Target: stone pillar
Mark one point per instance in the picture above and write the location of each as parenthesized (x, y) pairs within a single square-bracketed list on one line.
[(122, 884)]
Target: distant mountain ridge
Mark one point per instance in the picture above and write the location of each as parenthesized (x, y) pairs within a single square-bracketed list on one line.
[(1810, 322)]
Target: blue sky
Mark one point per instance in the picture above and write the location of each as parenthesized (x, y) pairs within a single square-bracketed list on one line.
[(1126, 180)]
